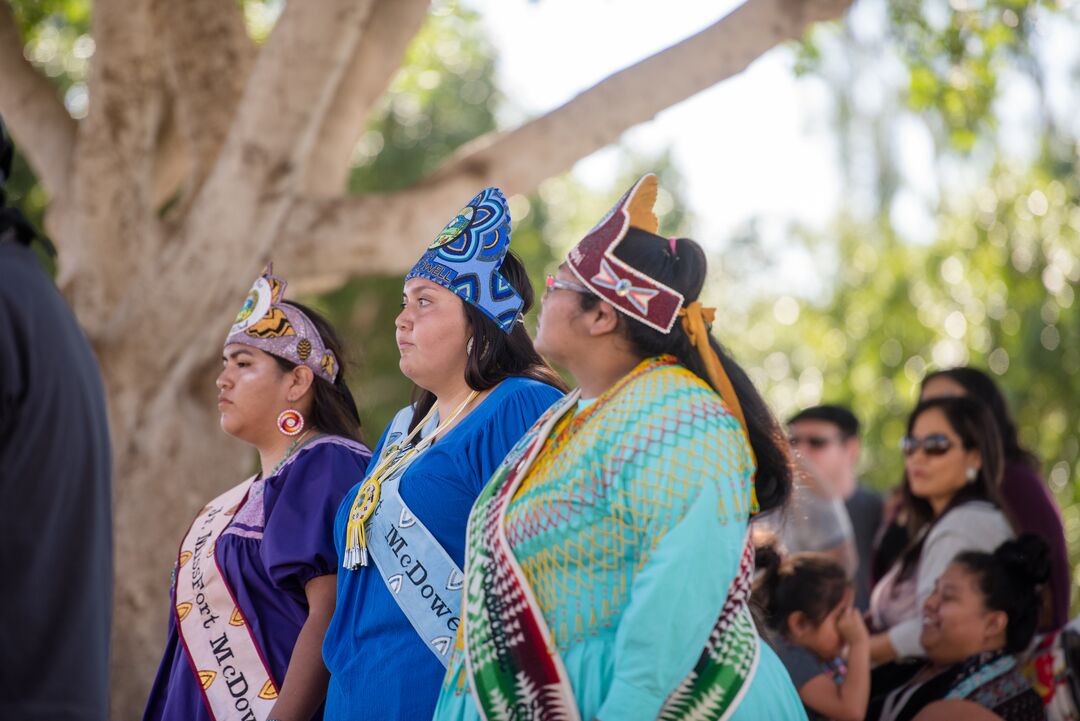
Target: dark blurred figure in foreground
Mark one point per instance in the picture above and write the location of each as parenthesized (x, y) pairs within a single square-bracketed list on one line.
[(55, 504), (828, 438)]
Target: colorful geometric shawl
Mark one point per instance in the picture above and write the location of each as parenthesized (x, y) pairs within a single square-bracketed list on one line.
[(514, 667)]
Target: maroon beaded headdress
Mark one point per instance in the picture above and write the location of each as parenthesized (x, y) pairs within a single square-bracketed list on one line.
[(629, 290)]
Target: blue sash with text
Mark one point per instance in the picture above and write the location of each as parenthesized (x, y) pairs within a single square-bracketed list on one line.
[(422, 577)]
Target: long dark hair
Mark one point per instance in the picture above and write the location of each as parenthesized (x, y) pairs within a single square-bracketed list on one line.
[(685, 270), (970, 419), (979, 385), (496, 355), (812, 583), (333, 409), (1011, 580)]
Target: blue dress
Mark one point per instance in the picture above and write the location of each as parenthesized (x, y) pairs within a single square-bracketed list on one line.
[(279, 540), (380, 668)]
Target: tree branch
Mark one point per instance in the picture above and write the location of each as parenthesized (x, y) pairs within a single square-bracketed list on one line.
[(33, 111), (387, 33), (348, 236), (110, 212), (208, 58), (372, 233), (239, 209), (172, 163), (639, 92)]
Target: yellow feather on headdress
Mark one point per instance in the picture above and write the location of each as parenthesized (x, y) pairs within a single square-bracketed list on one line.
[(639, 206)]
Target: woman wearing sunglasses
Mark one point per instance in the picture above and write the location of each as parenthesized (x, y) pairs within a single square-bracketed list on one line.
[(1024, 493), (952, 470)]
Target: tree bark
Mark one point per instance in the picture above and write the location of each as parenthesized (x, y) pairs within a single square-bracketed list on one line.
[(208, 59), (172, 165), (253, 184), (389, 29), (109, 211)]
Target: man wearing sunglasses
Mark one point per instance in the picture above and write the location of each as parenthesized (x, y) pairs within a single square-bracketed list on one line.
[(827, 437)]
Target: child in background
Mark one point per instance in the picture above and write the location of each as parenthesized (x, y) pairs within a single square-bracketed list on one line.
[(805, 602)]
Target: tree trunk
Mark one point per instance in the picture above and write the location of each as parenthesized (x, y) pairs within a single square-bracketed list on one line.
[(165, 471)]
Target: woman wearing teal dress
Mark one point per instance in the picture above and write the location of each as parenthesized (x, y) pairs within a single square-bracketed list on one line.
[(608, 565)]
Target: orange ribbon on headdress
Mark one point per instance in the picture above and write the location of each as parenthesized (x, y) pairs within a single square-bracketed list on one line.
[(694, 319)]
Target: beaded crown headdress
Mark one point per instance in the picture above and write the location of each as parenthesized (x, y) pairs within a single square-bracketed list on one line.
[(628, 289), (466, 256), (268, 323)]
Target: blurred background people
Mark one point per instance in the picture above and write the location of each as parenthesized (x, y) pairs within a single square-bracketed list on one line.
[(55, 496), (952, 467), (1024, 494), (983, 610), (827, 437), (813, 519)]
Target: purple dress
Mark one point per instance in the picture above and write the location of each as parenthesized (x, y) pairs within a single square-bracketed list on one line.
[(280, 539), (1034, 510)]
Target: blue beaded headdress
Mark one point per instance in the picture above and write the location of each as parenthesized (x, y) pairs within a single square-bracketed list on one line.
[(467, 254)]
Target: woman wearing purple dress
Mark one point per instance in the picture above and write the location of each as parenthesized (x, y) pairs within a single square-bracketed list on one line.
[(254, 583)]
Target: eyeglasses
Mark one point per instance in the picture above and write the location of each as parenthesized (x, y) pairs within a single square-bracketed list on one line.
[(554, 283), (815, 442), (935, 444)]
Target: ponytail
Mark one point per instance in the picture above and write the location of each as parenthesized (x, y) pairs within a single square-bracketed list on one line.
[(682, 265), (810, 583), (1011, 580)]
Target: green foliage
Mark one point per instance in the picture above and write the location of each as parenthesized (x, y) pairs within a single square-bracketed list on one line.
[(955, 52), (58, 43), (260, 17), (33, 14), (57, 39), (443, 96), (995, 287), (997, 290)]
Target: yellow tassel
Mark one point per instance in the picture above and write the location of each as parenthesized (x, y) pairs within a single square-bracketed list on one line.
[(367, 497), (362, 543), (694, 319)]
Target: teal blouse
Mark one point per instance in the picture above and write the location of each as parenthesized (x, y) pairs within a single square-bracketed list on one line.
[(629, 530)]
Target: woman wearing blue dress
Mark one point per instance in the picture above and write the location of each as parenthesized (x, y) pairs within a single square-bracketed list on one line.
[(400, 533)]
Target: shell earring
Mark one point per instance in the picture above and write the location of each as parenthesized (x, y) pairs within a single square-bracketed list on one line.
[(290, 422)]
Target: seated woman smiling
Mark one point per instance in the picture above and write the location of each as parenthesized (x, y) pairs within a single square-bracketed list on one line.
[(984, 608)]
